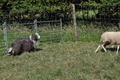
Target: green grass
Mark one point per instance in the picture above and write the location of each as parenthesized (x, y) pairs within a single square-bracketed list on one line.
[(67, 60), (51, 33), (62, 61)]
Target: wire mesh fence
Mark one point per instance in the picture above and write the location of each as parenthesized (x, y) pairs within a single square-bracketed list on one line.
[(50, 28), (50, 31), (105, 14), (97, 16)]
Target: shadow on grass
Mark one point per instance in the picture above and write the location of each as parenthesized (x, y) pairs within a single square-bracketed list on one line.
[(20, 53), (38, 49), (110, 49)]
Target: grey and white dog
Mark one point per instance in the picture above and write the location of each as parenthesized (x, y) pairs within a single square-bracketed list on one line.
[(23, 44)]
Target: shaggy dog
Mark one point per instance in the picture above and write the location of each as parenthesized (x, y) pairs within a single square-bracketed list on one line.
[(23, 44)]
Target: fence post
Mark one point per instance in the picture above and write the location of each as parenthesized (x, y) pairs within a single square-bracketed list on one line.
[(61, 28), (35, 25), (75, 24), (36, 30), (5, 36), (119, 24)]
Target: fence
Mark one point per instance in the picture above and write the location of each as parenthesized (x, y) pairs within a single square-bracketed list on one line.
[(106, 14), (50, 31), (97, 15)]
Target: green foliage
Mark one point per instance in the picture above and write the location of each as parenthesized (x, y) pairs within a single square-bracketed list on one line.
[(47, 8), (106, 8), (86, 14), (34, 7)]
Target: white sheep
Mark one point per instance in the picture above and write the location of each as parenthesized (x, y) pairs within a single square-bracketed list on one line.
[(109, 38)]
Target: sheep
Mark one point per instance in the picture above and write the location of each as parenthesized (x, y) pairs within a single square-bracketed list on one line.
[(109, 38), (23, 44)]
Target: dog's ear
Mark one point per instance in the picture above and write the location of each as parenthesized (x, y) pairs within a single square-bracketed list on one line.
[(38, 36)]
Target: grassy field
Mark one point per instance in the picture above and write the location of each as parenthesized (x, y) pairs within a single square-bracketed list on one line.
[(67, 60)]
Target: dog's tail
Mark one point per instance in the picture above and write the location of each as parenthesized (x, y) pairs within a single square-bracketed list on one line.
[(10, 50)]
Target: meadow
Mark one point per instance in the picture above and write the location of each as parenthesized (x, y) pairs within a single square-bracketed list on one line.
[(66, 60)]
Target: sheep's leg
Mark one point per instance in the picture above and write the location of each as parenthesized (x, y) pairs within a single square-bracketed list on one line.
[(118, 49), (103, 47), (97, 48)]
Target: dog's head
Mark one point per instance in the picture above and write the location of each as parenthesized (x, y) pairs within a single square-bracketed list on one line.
[(34, 37)]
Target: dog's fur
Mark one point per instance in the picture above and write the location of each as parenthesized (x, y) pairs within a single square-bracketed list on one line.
[(23, 44)]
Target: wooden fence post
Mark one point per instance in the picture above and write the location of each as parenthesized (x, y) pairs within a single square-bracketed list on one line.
[(74, 23)]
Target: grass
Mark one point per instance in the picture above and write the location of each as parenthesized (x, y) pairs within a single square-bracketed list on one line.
[(62, 61), (49, 33), (67, 60)]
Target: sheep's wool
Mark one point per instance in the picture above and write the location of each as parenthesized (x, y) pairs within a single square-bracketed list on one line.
[(112, 37)]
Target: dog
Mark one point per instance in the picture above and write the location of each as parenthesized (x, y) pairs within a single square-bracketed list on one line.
[(21, 45)]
